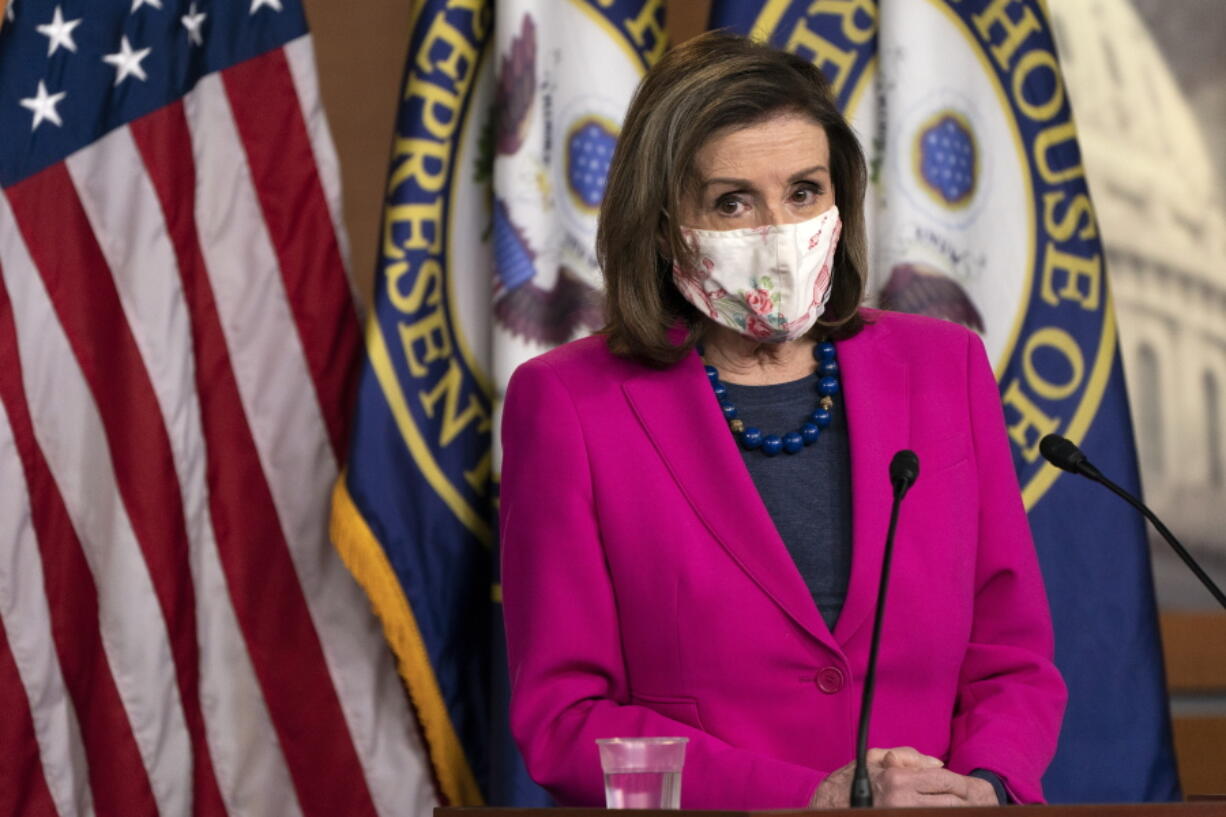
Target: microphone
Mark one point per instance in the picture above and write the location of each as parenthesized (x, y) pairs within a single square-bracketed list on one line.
[(904, 470), (1065, 454)]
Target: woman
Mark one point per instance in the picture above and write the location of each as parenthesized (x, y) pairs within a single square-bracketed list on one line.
[(694, 503)]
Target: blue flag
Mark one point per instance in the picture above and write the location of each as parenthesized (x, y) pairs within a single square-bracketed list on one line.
[(412, 512), (979, 213), (506, 126)]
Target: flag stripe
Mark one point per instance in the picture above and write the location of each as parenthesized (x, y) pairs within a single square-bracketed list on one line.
[(93, 318), (289, 432), (44, 701), (117, 777), (258, 465), (121, 201), (274, 135), (253, 775), (301, 56), (23, 788)]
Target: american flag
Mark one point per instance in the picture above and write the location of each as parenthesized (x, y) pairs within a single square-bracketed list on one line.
[(177, 343)]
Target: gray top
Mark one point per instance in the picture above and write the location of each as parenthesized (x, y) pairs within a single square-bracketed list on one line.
[(808, 494)]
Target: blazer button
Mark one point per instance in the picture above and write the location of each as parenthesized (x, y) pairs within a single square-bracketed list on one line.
[(830, 680)]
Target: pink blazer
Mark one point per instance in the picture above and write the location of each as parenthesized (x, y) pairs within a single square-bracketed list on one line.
[(647, 592)]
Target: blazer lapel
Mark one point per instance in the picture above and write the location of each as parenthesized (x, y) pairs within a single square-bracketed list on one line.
[(876, 395), (681, 415)]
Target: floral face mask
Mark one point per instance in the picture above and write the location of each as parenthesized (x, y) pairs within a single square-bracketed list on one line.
[(769, 283)]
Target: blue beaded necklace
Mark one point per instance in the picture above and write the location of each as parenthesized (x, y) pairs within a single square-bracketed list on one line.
[(751, 438)]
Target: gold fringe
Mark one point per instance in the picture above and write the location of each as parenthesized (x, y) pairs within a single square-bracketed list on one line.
[(368, 563)]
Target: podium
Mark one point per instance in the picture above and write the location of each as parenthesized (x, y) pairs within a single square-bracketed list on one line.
[(1203, 808)]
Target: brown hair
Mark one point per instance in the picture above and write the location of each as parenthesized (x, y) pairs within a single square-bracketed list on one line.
[(710, 83)]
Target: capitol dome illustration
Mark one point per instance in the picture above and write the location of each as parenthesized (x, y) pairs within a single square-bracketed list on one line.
[(1160, 208)]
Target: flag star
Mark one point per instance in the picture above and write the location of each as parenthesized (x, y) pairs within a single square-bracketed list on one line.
[(59, 32), (10, 12), (192, 22), (127, 61), (43, 105), (157, 4), (275, 5)]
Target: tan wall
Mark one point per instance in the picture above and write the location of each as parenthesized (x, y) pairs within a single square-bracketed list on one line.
[(1195, 647), (360, 48)]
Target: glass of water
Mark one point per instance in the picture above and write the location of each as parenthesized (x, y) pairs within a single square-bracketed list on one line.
[(642, 772)]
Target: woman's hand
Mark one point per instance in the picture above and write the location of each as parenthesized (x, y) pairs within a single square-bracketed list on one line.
[(905, 777)]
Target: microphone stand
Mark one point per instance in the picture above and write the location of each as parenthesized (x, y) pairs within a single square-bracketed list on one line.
[(1065, 455), (1166, 534), (861, 788)]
